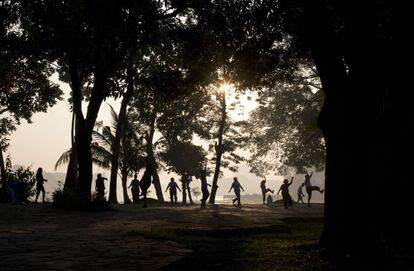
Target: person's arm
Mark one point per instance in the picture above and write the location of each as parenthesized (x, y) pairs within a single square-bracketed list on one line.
[(178, 187), (279, 190), (130, 185), (231, 187), (291, 181), (310, 176), (241, 188), (168, 186), (209, 185)]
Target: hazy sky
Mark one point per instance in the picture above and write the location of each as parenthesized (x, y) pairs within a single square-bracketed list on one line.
[(41, 143)]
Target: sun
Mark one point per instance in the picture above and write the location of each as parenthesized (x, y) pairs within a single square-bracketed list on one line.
[(226, 87)]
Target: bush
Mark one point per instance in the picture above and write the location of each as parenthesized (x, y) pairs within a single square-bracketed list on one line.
[(68, 200), (20, 182)]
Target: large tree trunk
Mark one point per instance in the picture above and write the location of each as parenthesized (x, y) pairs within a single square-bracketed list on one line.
[(3, 176), (219, 149), (150, 153), (70, 180), (120, 132), (84, 139), (346, 120)]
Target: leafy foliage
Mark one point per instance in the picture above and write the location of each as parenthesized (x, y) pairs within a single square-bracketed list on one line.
[(22, 180)]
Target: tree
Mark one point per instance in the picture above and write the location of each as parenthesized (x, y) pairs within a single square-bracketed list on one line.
[(283, 132), (131, 150), (25, 87), (186, 160), (90, 41), (353, 50)]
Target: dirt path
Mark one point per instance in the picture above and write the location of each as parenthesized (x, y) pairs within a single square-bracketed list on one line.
[(37, 237)]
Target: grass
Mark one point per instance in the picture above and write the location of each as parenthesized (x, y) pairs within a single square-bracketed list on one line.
[(287, 248)]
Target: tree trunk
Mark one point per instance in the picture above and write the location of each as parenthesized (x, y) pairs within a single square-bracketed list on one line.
[(150, 153), (70, 180), (190, 198), (120, 132), (84, 140), (3, 177), (219, 150), (348, 137), (184, 189), (125, 187)]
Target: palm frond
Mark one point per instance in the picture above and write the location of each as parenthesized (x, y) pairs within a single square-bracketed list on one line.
[(63, 159)]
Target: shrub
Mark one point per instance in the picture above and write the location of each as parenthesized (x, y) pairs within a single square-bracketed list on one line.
[(66, 199)]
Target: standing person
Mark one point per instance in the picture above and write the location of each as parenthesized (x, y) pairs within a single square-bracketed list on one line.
[(264, 190), (134, 189), (100, 186), (310, 188), (236, 186), (300, 193), (39, 184), (173, 186), (287, 199), (204, 187)]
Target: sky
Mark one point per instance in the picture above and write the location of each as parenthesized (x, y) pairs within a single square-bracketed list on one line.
[(41, 143)]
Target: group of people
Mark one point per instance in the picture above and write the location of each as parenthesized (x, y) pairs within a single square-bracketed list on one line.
[(173, 187), (284, 188)]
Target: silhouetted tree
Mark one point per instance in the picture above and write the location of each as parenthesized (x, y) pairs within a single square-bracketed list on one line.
[(25, 87), (186, 160), (282, 131), (90, 41)]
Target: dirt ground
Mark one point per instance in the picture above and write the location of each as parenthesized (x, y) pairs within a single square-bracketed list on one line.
[(38, 237)]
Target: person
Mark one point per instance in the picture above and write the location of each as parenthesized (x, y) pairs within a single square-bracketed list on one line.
[(134, 189), (265, 190), (204, 187), (236, 186), (310, 187), (173, 186), (100, 186), (300, 193), (145, 182), (39, 184), (269, 200), (287, 199)]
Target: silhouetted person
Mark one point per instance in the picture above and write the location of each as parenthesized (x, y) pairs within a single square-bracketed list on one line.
[(300, 193), (264, 190), (236, 186), (269, 200), (100, 186), (135, 189), (39, 184), (287, 199), (204, 188), (145, 182), (173, 186), (310, 188)]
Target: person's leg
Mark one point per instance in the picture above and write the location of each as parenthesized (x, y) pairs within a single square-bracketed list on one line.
[(171, 196), (238, 199), (284, 201), (43, 194), (264, 197), (175, 196), (37, 194), (290, 200), (309, 191), (317, 188)]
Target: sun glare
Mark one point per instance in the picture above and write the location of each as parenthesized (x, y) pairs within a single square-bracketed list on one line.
[(226, 87)]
